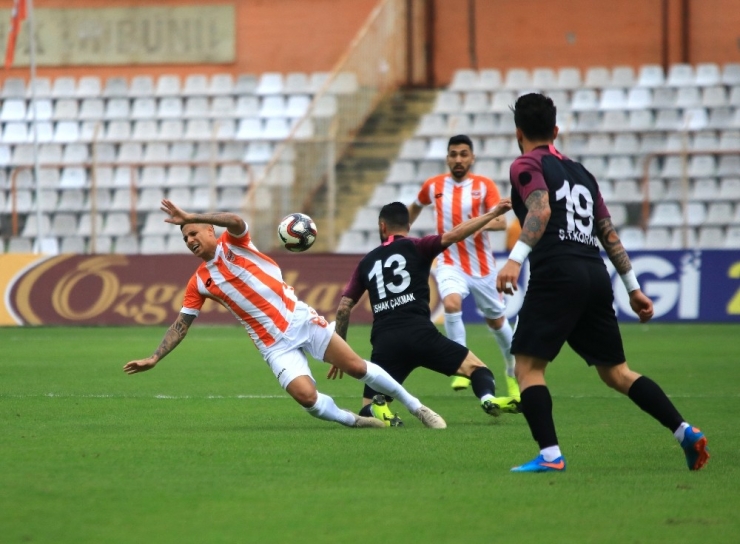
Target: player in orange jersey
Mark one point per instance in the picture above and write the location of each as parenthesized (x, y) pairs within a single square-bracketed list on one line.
[(250, 285), (467, 267)]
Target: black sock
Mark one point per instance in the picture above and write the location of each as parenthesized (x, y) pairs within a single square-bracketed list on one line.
[(482, 381), (366, 411), (536, 405), (650, 397)]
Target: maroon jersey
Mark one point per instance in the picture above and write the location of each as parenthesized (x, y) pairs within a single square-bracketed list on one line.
[(575, 203), (396, 277)]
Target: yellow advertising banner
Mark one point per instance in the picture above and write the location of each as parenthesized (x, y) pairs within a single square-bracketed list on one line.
[(191, 34), (148, 289)]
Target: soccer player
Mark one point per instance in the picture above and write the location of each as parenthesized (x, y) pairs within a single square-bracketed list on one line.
[(396, 277), (250, 285), (467, 266), (570, 295)]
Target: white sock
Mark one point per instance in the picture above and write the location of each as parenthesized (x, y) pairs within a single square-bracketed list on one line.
[(486, 397), (455, 328), (325, 408), (503, 339), (551, 453), (381, 381), (681, 432)]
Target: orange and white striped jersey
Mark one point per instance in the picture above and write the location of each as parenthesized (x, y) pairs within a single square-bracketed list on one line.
[(249, 284), (455, 202)]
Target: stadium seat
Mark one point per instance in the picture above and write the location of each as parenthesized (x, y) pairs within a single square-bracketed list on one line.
[(464, 80), (729, 140), (352, 241), (720, 118), (71, 200), (118, 131), (13, 110), (613, 99), (43, 110), (650, 75), (543, 79), (72, 244), (144, 108), (195, 85), (732, 238), (13, 87), (632, 238), (622, 76), (489, 79), (19, 245), (221, 84), (197, 129), (152, 176), (246, 84), (666, 214), (73, 177), (85, 225), (196, 107), (171, 130), (64, 87), (568, 78), (729, 165), (175, 245), (297, 83), (705, 189), (122, 200), (707, 74), (31, 227), (117, 224), (116, 87), (713, 97), (270, 83), (597, 77), (517, 79), (731, 74), (344, 83), (705, 141), (585, 100), (680, 75), (658, 238), (688, 97), (89, 87), (720, 214), (41, 88)]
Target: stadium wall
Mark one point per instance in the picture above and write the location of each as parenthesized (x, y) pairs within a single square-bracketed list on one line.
[(689, 286), (582, 33), (271, 36), (308, 36)]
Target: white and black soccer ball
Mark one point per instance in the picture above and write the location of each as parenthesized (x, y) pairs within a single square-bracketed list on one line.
[(297, 232)]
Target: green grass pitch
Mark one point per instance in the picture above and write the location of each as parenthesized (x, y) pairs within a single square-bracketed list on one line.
[(207, 448)]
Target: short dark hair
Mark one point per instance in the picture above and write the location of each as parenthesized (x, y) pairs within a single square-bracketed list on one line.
[(535, 115), (460, 139), (395, 214)]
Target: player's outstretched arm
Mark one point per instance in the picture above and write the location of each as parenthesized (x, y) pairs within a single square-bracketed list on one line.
[(341, 325), (538, 215), (172, 338), (471, 226), (232, 222), (414, 211), (640, 303)]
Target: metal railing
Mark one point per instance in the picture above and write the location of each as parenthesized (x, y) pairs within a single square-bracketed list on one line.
[(373, 65)]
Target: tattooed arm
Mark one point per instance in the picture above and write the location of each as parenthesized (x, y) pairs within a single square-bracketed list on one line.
[(172, 338), (639, 301), (342, 320), (341, 324), (538, 215), (613, 245)]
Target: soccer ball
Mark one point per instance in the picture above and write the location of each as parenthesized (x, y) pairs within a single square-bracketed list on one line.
[(297, 232)]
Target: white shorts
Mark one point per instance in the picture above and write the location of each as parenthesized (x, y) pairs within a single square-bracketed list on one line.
[(489, 301), (308, 332)]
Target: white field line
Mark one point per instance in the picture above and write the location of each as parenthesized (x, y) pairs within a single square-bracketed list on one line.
[(240, 397)]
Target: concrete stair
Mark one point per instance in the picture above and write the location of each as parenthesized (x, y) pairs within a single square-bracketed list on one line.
[(365, 163)]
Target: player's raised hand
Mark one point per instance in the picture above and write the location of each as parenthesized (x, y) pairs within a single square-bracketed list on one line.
[(176, 215), (503, 206), (334, 372), (140, 365), (641, 305), (506, 280)]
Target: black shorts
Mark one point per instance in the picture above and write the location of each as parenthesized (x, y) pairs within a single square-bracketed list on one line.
[(400, 350), (570, 300)]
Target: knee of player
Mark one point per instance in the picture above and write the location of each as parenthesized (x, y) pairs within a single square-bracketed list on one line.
[(306, 398), (618, 377), (470, 365)]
